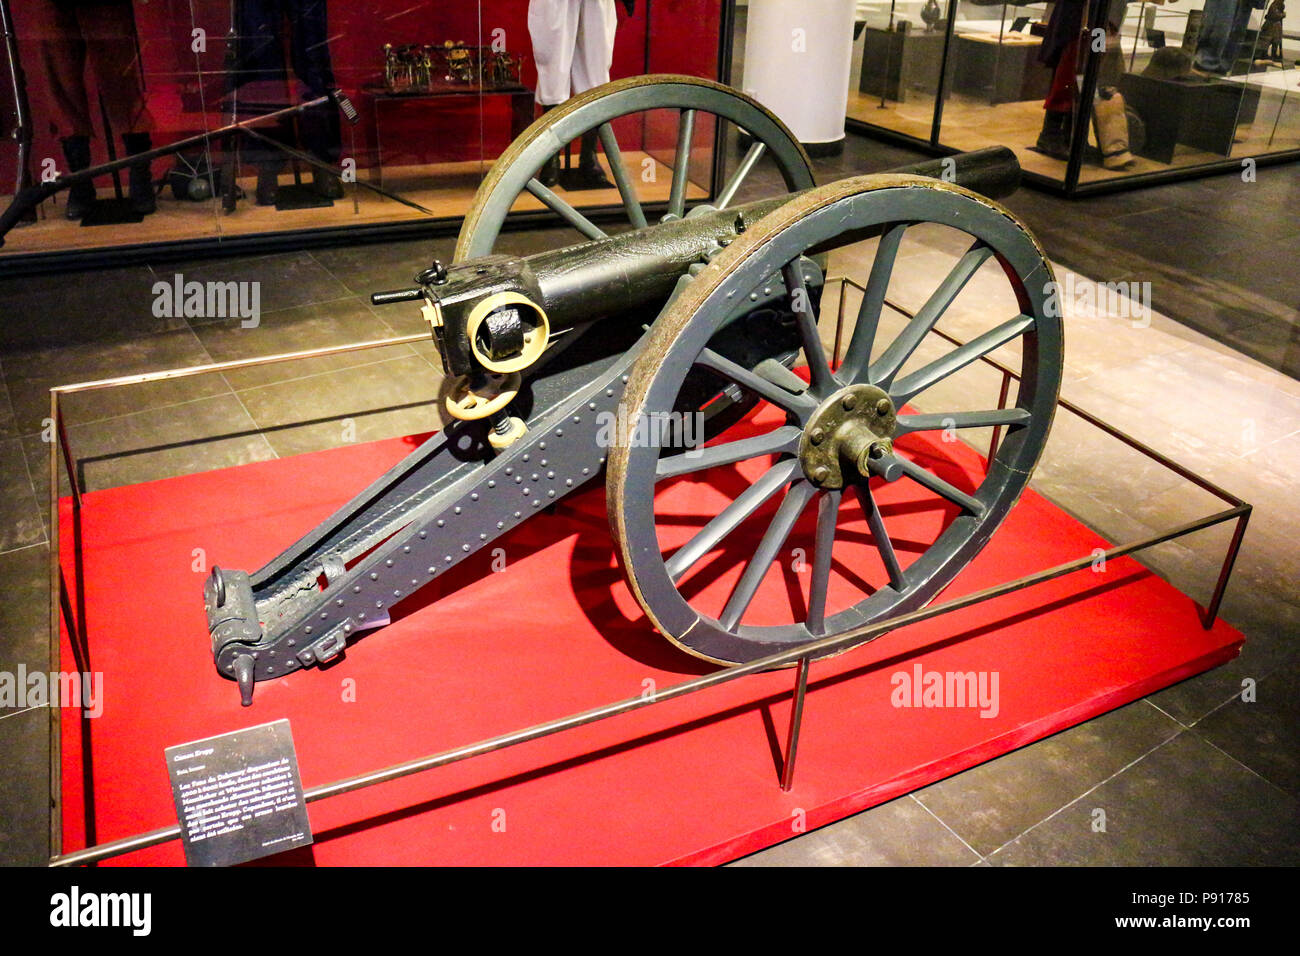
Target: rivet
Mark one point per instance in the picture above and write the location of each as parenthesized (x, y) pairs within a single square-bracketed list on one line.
[(474, 496), (456, 510), (423, 533), (849, 401), (441, 522), (492, 484), (374, 576), (356, 589), (882, 407), (388, 563), (433, 570), (541, 445), (817, 437)]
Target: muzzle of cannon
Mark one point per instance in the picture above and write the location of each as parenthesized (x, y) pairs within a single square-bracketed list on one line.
[(597, 359)]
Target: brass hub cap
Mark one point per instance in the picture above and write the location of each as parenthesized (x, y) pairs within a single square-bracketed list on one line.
[(849, 431)]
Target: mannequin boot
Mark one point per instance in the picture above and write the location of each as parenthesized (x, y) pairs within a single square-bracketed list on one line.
[(141, 180), (268, 181), (549, 174), (1054, 140), (589, 174), (1112, 128), (327, 184), (81, 194)]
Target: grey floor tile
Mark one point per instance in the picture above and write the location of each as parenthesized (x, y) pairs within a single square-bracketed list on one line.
[(20, 509), (991, 804), (284, 280), (898, 833), (1186, 804), (31, 373), (376, 267), (1263, 734), (383, 400), (337, 322), (159, 443), (48, 310), (1269, 628), (24, 788), (8, 424), (24, 612)]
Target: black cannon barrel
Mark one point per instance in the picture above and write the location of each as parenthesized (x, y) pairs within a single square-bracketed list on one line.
[(993, 172)]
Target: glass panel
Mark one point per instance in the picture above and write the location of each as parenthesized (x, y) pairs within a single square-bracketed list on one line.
[(439, 91), (1198, 81), (897, 59)]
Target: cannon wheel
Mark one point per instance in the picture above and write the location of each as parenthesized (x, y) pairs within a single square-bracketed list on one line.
[(784, 464), (515, 171)]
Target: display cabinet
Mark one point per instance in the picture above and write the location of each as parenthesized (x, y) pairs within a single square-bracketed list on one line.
[(307, 120), (1172, 88)]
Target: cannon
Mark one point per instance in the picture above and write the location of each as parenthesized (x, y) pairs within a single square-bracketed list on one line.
[(638, 353)]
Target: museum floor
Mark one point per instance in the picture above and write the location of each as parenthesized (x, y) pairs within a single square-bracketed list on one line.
[(1191, 775)]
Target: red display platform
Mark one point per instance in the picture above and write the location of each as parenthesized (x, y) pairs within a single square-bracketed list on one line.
[(478, 653)]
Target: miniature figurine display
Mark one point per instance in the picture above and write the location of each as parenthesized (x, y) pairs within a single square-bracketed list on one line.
[(422, 67)]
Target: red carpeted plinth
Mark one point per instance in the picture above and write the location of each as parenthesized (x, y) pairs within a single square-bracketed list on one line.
[(478, 653)]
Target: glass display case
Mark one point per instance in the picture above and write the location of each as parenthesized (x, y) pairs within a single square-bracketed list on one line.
[(1172, 86), (304, 118)]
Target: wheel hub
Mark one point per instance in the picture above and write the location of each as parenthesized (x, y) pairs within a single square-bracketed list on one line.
[(848, 437)]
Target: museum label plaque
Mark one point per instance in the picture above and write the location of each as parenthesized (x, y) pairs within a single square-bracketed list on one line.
[(238, 796)]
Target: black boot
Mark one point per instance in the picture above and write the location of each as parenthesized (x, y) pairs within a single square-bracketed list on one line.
[(326, 184), (268, 181), (81, 194), (1054, 140), (589, 174), (141, 181)]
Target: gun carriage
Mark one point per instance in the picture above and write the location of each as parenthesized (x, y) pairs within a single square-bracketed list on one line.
[(557, 362)]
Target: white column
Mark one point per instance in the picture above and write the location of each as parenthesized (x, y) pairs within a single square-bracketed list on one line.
[(797, 55)]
